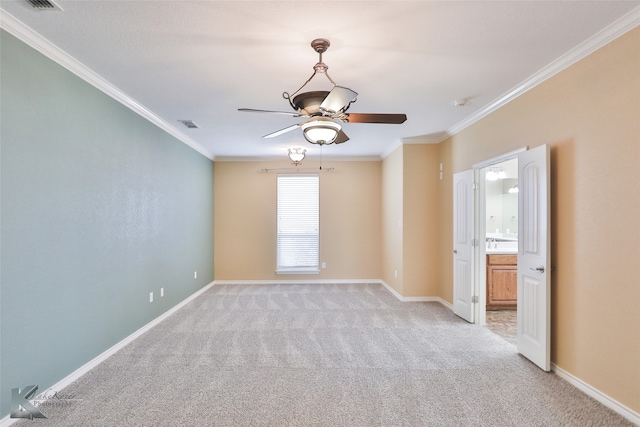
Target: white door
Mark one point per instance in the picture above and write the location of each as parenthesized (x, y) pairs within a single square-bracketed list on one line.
[(534, 268), (463, 285)]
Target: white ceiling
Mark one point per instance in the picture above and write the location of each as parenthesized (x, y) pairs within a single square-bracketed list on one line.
[(202, 60)]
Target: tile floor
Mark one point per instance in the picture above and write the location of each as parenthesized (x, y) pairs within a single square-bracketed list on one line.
[(503, 323)]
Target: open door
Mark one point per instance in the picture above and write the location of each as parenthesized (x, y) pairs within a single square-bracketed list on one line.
[(463, 284), (534, 268)]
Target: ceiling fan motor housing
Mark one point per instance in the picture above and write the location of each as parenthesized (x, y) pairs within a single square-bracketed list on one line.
[(309, 102)]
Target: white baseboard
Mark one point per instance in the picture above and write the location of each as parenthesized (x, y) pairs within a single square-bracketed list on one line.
[(590, 391), (60, 385), (329, 281), (414, 299), (304, 282), (445, 303)]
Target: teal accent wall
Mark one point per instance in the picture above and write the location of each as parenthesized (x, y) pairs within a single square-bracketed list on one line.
[(99, 208)]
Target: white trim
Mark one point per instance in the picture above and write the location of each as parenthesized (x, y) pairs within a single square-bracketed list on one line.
[(501, 158), (393, 147), (390, 289), (15, 27), (313, 270), (600, 39), (593, 392), (303, 282), (420, 299), (75, 375), (445, 303), (337, 281), (311, 158), (424, 139), (415, 299), (6, 421)]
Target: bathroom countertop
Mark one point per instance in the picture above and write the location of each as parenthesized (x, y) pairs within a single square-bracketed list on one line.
[(502, 251)]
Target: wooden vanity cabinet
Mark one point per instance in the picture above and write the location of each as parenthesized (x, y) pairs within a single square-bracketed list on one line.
[(502, 282)]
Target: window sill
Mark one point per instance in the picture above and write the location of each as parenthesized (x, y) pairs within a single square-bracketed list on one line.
[(298, 270)]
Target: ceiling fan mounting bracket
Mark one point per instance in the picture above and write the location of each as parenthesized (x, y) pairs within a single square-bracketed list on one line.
[(320, 45)]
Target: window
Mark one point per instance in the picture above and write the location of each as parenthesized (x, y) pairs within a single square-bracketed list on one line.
[(298, 223)]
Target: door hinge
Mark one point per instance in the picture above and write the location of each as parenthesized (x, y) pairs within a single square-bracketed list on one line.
[(474, 185), (474, 242), (474, 299)]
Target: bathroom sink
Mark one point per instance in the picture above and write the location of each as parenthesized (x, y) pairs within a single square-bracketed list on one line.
[(502, 247)]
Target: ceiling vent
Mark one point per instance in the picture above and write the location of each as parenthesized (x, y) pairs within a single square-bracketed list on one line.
[(43, 5), (189, 123)]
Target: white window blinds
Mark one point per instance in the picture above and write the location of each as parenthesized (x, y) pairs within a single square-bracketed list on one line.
[(298, 223)]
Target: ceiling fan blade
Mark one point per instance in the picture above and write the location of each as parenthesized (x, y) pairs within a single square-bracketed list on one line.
[(283, 131), (253, 110), (338, 99), (342, 137), (393, 119)]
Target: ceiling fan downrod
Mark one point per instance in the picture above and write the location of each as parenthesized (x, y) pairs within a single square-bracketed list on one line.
[(320, 46)]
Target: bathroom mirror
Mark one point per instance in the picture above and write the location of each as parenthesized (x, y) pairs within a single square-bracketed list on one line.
[(502, 200)]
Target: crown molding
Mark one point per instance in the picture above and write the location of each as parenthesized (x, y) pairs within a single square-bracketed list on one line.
[(600, 39), (308, 159), (28, 36), (433, 138), (391, 148), (414, 140)]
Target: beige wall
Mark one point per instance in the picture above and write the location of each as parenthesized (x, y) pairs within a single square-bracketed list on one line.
[(590, 116), (410, 245), (392, 201), (420, 220), (245, 221), (445, 222)]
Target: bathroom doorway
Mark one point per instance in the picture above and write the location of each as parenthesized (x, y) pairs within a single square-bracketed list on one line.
[(533, 265), (500, 240), (496, 225)]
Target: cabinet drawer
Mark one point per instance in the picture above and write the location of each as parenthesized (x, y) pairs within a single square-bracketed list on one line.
[(498, 259)]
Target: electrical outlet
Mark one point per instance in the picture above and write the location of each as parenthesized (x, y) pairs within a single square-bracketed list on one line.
[(395, 273), (161, 292), (195, 274), (150, 296), (324, 265)]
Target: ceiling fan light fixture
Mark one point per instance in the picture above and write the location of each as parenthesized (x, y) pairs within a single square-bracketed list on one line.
[(321, 131), (297, 155)]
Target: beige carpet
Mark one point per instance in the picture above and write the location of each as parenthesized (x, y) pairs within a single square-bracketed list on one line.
[(320, 355)]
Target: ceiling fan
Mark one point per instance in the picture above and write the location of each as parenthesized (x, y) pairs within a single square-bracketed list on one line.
[(325, 109)]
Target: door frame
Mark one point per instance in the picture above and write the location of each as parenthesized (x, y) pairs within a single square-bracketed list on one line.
[(480, 225)]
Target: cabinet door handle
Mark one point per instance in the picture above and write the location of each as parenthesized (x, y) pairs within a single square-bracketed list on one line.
[(539, 268), (455, 251)]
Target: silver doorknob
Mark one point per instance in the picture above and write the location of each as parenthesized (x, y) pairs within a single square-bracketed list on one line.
[(539, 268)]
